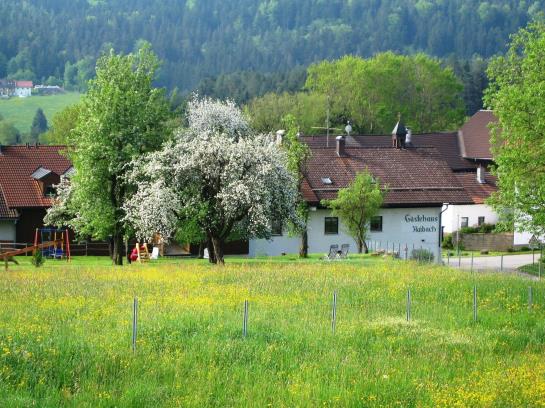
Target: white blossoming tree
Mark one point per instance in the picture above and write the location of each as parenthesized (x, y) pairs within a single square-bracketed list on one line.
[(218, 173)]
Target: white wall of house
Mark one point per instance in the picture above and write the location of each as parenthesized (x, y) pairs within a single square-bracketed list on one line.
[(23, 92), (7, 230), (413, 227), (452, 217), (523, 238)]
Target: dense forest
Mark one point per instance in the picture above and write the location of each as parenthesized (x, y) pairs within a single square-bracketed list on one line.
[(57, 41)]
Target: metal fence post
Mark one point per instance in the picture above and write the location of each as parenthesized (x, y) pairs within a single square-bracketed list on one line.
[(245, 320), (530, 298), (409, 304), (501, 265), (459, 261), (134, 323), (472, 262), (334, 313), (474, 303), (448, 258)]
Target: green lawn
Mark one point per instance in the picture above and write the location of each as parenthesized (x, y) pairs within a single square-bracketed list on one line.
[(534, 269), (65, 335), (21, 111), (466, 253)]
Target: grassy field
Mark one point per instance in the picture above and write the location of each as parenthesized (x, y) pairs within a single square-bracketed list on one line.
[(21, 111), (65, 335)]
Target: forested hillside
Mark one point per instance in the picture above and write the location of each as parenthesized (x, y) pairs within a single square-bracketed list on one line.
[(59, 40)]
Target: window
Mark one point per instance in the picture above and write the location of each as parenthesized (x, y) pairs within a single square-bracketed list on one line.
[(464, 222), (50, 191), (331, 225), (326, 180), (480, 221), (276, 228), (376, 224)]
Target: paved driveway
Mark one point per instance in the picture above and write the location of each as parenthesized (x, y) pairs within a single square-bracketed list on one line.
[(492, 263)]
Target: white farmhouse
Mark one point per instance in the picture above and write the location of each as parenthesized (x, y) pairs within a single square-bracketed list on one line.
[(419, 182), (23, 89)]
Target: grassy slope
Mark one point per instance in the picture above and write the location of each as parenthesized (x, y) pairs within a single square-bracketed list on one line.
[(21, 111), (65, 336)]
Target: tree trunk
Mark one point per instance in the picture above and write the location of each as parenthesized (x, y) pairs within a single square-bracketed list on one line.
[(303, 247), (201, 250), (111, 248), (210, 247), (365, 248), (360, 245), (218, 250), (117, 250)]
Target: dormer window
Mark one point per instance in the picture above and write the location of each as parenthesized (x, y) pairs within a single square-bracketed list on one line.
[(326, 180), (50, 191), (40, 173)]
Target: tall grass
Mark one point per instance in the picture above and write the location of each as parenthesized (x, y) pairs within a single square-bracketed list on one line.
[(65, 337)]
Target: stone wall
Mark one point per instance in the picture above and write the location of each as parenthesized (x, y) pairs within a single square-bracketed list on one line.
[(489, 242)]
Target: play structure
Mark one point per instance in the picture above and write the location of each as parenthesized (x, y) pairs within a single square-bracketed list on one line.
[(59, 242), (54, 243), (141, 254)]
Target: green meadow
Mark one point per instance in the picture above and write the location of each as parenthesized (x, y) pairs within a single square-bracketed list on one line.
[(21, 111), (66, 335)]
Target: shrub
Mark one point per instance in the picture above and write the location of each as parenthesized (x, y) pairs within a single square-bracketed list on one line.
[(447, 242), (484, 252), (479, 229), (422, 255), (37, 259)]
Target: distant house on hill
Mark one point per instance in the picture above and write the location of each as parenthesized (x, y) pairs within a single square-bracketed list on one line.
[(23, 89), (27, 176), (7, 88), (10, 88)]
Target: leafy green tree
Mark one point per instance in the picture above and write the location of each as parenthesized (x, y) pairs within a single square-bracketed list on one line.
[(62, 126), (370, 92), (356, 204), (297, 154), (39, 125), (309, 111), (9, 134), (516, 94), (120, 118)]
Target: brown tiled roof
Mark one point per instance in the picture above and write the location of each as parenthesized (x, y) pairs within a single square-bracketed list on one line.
[(17, 163), (5, 211), (477, 191), (445, 143), (415, 176), (475, 136)]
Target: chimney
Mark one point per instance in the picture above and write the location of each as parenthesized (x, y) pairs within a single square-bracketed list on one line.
[(280, 137), (480, 175), (341, 144), (409, 137)]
